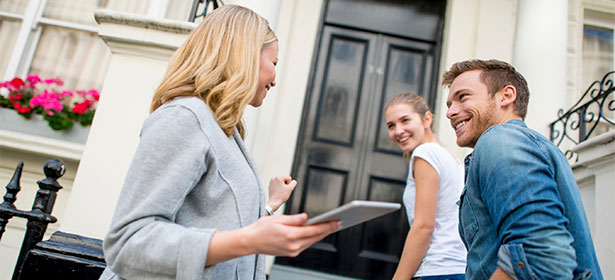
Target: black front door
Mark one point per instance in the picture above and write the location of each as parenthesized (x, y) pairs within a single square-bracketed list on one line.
[(343, 152)]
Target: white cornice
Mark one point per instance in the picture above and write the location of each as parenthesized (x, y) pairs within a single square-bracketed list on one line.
[(594, 149), (141, 36), (40, 145), (142, 21)]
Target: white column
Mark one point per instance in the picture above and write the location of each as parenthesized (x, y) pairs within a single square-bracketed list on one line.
[(474, 29), (540, 56), (140, 49)]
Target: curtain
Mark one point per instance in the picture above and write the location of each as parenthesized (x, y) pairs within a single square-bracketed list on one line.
[(79, 58)]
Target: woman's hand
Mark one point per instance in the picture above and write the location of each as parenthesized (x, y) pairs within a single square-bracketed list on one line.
[(285, 235), (280, 188), (280, 235)]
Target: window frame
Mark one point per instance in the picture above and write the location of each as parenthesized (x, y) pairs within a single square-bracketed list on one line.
[(31, 28)]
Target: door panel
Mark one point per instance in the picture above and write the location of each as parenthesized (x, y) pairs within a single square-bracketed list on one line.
[(339, 100), (330, 156), (407, 69), (344, 153), (376, 251)]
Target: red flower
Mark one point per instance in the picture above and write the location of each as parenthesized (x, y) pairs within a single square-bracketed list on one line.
[(17, 82), (21, 109), (80, 108), (15, 97)]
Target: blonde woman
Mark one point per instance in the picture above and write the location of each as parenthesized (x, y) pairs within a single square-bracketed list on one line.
[(192, 206), (433, 248)]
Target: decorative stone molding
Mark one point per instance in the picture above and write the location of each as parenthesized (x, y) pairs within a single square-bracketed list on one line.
[(142, 21), (594, 149), (140, 35)]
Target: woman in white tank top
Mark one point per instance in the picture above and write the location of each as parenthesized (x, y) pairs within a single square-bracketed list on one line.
[(433, 249)]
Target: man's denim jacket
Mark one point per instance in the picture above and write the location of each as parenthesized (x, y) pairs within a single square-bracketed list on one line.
[(521, 209)]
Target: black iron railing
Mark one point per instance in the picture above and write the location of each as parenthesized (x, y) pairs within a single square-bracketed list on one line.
[(63, 255), (40, 215), (194, 12), (594, 110)]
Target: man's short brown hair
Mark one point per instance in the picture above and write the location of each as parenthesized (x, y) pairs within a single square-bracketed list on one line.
[(495, 75)]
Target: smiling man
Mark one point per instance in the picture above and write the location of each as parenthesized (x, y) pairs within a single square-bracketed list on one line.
[(521, 215)]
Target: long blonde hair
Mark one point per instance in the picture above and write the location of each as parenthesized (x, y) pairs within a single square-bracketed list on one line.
[(219, 63)]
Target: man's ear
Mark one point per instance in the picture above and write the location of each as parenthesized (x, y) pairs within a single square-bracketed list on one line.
[(507, 96)]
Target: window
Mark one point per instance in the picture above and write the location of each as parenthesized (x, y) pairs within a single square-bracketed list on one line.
[(598, 55), (58, 38), (598, 58)]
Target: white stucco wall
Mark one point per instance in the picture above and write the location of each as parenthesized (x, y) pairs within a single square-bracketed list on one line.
[(482, 29), (140, 48), (473, 29)]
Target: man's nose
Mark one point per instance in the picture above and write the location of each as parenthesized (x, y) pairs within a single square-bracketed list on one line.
[(452, 111)]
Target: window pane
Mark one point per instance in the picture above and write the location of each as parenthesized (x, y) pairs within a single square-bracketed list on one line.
[(13, 6), (79, 58), (598, 56), (598, 59), (8, 35)]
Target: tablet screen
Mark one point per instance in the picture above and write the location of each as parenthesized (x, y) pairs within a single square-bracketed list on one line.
[(355, 212)]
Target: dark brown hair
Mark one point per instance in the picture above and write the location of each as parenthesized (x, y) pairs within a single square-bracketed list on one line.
[(495, 75)]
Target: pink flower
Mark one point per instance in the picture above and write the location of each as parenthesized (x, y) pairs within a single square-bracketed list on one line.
[(33, 79), (33, 95), (66, 93), (49, 101), (94, 94), (56, 81)]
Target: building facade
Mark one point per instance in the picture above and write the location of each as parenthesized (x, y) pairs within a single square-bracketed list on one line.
[(340, 60)]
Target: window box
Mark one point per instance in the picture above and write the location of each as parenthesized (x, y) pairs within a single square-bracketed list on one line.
[(12, 121)]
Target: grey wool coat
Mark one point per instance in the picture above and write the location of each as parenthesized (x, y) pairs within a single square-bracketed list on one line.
[(186, 181)]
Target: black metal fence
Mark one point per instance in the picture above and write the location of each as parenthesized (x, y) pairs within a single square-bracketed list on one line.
[(63, 256), (592, 114)]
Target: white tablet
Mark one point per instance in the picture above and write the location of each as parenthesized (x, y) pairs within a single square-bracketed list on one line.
[(355, 212)]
